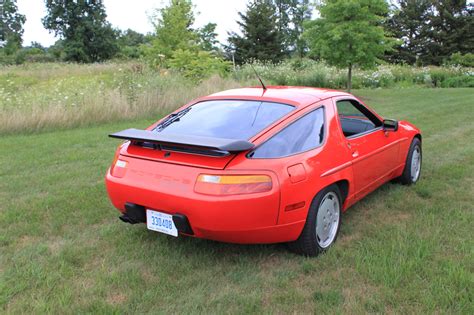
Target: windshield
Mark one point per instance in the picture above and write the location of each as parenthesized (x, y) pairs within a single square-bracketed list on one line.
[(229, 119)]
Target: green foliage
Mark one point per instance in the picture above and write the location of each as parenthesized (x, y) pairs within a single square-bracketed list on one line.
[(431, 31), (208, 37), (271, 31), (173, 31), (349, 33), (291, 15), (459, 59), (261, 39), (452, 23), (408, 21), (83, 26), (129, 43), (458, 81), (300, 12), (33, 54), (11, 28), (198, 64), (176, 45)]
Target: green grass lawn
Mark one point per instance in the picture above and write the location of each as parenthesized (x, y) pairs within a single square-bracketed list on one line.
[(402, 249)]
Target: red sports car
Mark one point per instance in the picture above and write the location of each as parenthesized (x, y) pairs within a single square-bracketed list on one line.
[(257, 165)]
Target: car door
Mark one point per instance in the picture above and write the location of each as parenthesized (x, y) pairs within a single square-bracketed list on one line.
[(374, 151)]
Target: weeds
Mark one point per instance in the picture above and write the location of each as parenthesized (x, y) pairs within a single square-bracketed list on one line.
[(35, 97)]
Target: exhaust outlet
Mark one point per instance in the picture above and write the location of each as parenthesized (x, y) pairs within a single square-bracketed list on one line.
[(125, 218), (133, 214)]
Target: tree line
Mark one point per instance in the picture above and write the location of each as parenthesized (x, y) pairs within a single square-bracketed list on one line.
[(345, 33)]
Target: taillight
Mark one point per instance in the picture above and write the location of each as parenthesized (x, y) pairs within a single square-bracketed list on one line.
[(118, 166), (232, 184)]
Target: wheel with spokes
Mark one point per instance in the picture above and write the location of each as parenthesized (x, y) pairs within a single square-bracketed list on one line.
[(322, 223), (412, 170)]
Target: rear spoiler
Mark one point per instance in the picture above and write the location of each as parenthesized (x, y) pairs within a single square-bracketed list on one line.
[(181, 141)]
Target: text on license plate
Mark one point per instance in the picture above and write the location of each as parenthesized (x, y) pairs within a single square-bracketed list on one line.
[(160, 222)]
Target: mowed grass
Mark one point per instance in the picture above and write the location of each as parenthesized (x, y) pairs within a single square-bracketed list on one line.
[(400, 250)]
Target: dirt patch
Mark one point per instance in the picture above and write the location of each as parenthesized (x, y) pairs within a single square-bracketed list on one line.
[(116, 298), (26, 240), (55, 245)]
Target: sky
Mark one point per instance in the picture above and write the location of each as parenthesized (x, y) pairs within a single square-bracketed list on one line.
[(125, 14)]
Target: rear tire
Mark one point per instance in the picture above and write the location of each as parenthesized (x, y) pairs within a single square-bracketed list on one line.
[(412, 171), (322, 223)]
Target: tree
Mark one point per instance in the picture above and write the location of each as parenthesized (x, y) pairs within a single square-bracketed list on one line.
[(452, 23), (83, 26), (431, 31), (291, 17), (349, 33), (261, 39), (129, 43), (300, 13), (11, 26), (173, 30), (283, 22), (208, 37), (409, 23), (176, 45)]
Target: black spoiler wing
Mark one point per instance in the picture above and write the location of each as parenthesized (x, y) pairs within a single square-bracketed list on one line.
[(203, 143)]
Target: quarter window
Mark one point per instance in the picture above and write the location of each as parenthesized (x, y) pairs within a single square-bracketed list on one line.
[(304, 134)]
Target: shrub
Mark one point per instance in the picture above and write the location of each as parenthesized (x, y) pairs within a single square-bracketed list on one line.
[(198, 65), (459, 59), (459, 81)]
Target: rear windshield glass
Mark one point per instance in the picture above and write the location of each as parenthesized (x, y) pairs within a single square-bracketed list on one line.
[(230, 119)]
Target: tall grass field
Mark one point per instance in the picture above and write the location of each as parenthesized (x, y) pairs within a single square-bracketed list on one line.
[(36, 97), (402, 249)]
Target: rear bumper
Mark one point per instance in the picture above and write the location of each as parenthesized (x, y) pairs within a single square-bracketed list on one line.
[(137, 214), (245, 219)]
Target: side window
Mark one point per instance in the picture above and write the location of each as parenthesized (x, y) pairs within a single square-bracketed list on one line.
[(302, 135), (355, 118)]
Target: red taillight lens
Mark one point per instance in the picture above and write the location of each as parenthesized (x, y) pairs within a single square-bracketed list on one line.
[(232, 184)]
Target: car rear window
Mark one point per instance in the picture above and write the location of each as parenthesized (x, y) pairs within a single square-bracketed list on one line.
[(229, 119)]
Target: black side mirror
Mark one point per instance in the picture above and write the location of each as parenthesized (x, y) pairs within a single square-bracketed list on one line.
[(390, 125)]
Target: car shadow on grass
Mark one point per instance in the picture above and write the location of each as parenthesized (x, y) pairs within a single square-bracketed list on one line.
[(198, 247)]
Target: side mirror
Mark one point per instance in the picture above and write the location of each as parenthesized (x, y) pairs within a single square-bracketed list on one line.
[(390, 125)]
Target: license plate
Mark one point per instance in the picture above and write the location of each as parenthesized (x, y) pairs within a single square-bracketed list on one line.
[(160, 222)]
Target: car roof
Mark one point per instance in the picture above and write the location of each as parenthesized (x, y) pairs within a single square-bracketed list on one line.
[(297, 95)]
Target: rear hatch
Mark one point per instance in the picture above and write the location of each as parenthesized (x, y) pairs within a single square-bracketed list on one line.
[(141, 151)]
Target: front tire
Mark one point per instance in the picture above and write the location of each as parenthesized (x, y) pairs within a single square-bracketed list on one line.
[(322, 224), (412, 171)]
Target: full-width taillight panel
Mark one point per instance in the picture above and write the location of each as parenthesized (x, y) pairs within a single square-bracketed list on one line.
[(221, 185)]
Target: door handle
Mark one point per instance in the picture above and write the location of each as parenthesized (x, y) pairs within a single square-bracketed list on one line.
[(355, 154)]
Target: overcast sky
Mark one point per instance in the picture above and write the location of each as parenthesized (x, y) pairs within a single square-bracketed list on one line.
[(134, 14)]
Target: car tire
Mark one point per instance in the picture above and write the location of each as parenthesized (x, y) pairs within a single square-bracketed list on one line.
[(412, 171), (322, 223)]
